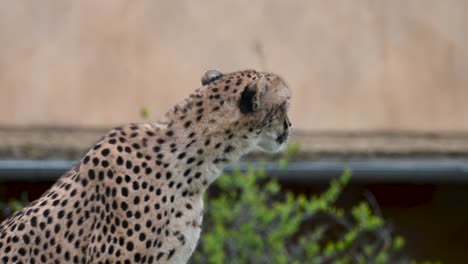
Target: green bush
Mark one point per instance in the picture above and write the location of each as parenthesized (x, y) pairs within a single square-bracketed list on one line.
[(249, 219), (13, 205)]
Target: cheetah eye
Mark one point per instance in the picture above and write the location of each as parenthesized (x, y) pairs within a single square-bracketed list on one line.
[(284, 106)]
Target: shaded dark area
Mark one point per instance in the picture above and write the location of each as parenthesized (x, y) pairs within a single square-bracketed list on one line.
[(431, 217)]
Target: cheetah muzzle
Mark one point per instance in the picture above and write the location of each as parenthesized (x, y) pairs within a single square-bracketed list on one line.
[(136, 196)]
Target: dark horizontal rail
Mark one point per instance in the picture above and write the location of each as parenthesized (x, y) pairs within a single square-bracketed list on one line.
[(365, 171)]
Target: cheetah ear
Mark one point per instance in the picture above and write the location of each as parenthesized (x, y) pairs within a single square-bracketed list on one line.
[(210, 76), (250, 97)]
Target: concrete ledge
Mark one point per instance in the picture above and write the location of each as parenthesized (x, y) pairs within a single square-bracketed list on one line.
[(72, 143), (368, 171)]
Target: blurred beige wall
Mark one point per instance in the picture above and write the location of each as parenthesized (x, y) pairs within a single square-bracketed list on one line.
[(352, 65)]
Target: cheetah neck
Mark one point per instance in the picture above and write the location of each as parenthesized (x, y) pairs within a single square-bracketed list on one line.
[(201, 157)]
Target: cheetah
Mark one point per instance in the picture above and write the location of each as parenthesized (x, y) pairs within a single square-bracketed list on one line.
[(136, 195)]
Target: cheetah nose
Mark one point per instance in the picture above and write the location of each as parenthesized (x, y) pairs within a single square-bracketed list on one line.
[(287, 123)]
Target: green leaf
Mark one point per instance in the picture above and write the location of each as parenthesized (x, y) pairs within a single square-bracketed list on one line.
[(398, 242), (374, 222), (368, 250), (144, 112), (381, 258), (283, 163), (329, 249), (292, 148), (15, 205), (272, 187), (345, 176), (312, 249)]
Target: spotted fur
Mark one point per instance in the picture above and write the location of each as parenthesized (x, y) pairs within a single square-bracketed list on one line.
[(136, 196)]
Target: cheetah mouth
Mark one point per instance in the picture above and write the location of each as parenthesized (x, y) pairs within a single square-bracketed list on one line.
[(283, 137)]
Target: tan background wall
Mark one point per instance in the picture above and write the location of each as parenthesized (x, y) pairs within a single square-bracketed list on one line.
[(352, 65)]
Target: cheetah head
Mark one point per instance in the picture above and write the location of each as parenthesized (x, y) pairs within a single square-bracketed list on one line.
[(257, 105)]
